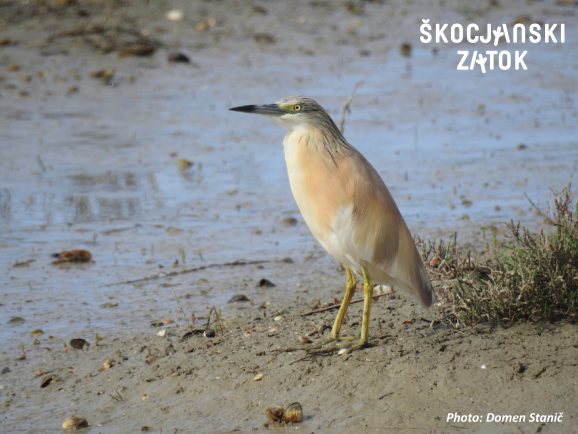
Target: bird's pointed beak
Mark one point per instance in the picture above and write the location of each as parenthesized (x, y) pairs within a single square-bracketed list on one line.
[(266, 109)]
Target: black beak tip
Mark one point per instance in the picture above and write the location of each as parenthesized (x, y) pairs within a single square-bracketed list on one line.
[(244, 108)]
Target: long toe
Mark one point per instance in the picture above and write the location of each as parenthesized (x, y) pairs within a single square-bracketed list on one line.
[(336, 346), (307, 347)]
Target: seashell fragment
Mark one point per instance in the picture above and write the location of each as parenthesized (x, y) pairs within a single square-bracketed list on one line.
[(74, 422)]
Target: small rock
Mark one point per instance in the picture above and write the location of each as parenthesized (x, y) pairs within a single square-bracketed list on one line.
[(179, 57), (289, 221), (162, 322), (239, 298), (209, 333), (104, 75), (5, 42), (264, 38), (162, 333), (265, 283), (258, 377), (46, 381), (185, 164), (79, 343), (15, 320), (405, 49), (174, 15)]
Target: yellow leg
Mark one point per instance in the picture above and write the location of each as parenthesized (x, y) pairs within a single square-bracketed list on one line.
[(349, 289), (334, 342), (367, 299)]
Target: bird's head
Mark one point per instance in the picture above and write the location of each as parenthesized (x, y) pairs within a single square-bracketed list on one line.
[(292, 112)]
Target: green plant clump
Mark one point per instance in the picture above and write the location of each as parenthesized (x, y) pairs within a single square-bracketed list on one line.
[(535, 277)]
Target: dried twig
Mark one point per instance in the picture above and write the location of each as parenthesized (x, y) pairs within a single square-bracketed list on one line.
[(185, 271), (336, 306), (346, 107), (180, 306), (217, 319)]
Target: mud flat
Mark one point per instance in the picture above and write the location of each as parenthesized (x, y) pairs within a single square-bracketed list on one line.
[(112, 142)]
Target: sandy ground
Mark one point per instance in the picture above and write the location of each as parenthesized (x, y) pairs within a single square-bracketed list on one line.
[(90, 148)]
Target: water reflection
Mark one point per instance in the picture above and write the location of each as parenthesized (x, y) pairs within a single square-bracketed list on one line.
[(108, 181), (88, 197), (5, 205), (86, 208)]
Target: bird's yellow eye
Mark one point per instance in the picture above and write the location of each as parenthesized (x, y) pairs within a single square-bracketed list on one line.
[(297, 108)]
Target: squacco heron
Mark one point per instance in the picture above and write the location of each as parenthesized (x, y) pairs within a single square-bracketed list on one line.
[(348, 209)]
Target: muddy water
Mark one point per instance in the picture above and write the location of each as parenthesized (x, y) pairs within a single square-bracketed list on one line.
[(98, 169)]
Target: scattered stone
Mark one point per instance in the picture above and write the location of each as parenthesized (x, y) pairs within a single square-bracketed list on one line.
[(289, 221), (6, 42), (259, 376), (162, 322), (179, 57), (239, 298), (264, 38), (46, 381), (305, 340), (162, 333), (405, 49), (209, 333), (265, 283), (184, 164), (79, 343), (204, 25), (104, 75), (16, 320), (174, 15)]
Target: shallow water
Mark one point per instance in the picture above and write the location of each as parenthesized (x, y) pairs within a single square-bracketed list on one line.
[(99, 170)]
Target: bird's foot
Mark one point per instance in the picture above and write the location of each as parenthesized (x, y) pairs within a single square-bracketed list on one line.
[(319, 344), (330, 344), (343, 344)]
